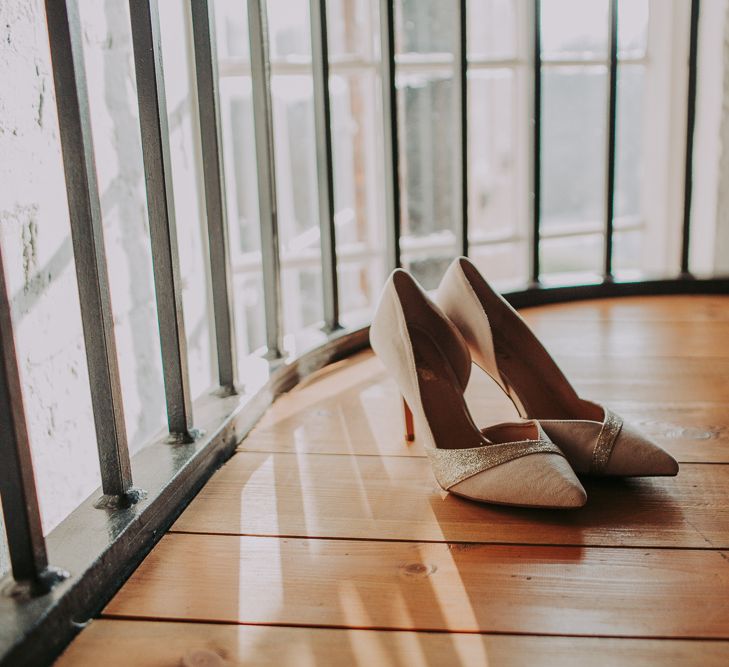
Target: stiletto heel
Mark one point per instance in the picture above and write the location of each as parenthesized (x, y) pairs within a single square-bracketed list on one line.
[(409, 426), (594, 439), (510, 464)]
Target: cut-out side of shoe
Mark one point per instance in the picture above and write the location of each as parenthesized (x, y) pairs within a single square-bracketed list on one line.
[(610, 448)]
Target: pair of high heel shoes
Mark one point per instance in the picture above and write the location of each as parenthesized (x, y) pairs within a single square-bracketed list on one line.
[(429, 346)]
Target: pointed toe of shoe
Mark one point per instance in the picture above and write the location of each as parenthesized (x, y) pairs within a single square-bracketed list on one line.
[(540, 480), (560, 485), (634, 455)]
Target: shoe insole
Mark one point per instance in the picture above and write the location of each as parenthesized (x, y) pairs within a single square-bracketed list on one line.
[(442, 397), (525, 365)]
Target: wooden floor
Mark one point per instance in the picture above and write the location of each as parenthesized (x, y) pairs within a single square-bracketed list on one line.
[(326, 541)]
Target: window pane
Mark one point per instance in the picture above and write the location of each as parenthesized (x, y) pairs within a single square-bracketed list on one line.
[(302, 296), (581, 256), (627, 253), (425, 26), (491, 29), (427, 140), (288, 28), (629, 157), (298, 207), (429, 269), (360, 283), (573, 146), (240, 162), (503, 264), (250, 327), (357, 188), (241, 187), (627, 246), (492, 176), (231, 23), (632, 26), (179, 74), (353, 110), (427, 148), (296, 183), (574, 27), (350, 28), (427, 170)]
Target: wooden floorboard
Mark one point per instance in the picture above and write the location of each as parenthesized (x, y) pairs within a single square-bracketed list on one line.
[(325, 539), (649, 378), (414, 586), (157, 644), (632, 339), (398, 498), (362, 415), (657, 309)]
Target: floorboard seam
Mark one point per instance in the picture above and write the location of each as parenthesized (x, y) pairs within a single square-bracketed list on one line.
[(457, 542), (239, 450), (155, 619)]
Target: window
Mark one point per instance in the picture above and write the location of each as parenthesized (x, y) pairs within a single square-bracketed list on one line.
[(653, 41), (573, 151)]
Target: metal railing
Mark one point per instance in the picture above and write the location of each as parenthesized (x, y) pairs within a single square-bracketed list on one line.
[(60, 581)]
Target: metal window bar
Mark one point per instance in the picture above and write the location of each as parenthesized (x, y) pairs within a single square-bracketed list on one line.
[(461, 81), (536, 143), (74, 120), (161, 208), (28, 557), (324, 163), (266, 173), (690, 123), (611, 128), (391, 172), (206, 71)]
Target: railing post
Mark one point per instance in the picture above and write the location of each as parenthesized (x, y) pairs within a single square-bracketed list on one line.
[(23, 528), (324, 163), (267, 205), (74, 120), (389, 118), (610, 144), (534, 238), (461, 81), (206, 70), (161, 208), (690, 123)]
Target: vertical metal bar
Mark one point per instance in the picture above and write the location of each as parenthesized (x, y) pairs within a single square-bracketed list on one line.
[(324, 163), (268, 211), (74, 120), (690, 122), (461, 81), (389, 115), (23, 528), (160, 205), (206, 71), (610, 148), (536, 143)]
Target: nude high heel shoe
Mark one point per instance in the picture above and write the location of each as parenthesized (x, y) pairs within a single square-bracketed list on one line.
[(594, 439), (510, 464)]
